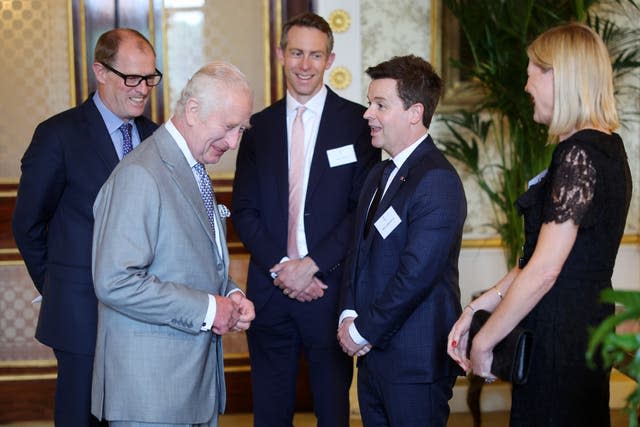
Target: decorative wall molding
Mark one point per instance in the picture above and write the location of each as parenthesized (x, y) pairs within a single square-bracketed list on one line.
[(345, 76)]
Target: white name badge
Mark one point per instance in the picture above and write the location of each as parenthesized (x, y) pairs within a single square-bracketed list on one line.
[(341, 156), (387, 222)]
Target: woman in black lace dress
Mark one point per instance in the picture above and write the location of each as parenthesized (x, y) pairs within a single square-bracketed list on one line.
[(575, 215)]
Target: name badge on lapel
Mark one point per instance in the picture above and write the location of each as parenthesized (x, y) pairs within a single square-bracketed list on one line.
[(387, 222), (341, 156)]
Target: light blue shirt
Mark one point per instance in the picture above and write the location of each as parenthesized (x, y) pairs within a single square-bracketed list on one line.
[(113, 124)]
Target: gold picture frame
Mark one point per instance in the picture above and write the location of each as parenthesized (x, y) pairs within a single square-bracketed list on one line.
[(459, 92)]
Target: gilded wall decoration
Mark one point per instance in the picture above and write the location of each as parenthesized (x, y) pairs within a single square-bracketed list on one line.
[(340, 78), (339, 20)]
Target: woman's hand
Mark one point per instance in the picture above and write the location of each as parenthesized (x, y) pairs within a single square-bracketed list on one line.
[(459, 339), (481, 359)]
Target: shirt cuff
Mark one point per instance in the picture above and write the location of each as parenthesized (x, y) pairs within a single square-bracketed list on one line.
[(235, 290), (355, 335), (207, 324), (353, 331), (345, 314)]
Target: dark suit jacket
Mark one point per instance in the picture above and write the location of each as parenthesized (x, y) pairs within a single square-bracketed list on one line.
[(260, 192), (70, 156), (405, 287)]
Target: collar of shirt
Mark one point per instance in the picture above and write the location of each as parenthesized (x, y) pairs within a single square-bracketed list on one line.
[(401, 157), (182, 143), (314, 105), (113, 123)]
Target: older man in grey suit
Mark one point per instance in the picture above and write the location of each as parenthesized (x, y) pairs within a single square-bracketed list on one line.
[(160, 265)]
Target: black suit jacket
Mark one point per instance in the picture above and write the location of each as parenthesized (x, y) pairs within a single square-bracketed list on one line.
[(405, 287), (70, 156), (260, 192)]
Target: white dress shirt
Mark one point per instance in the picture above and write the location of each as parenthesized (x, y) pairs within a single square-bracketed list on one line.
[(207, 324), (311, 120)]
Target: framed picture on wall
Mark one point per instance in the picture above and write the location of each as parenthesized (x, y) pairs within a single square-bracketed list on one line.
[(448, 47)]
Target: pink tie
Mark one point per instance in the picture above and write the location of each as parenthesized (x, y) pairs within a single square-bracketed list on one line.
[(296, 176)]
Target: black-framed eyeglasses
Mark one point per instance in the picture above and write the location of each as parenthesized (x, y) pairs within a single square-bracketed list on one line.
[(133, 80)]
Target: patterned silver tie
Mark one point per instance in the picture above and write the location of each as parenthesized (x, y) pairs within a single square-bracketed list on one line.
[(206, 191)]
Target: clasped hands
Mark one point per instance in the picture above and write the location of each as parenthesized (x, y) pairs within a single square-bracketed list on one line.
[(481, 357), (233, 313), (347, 343), (296, 278)]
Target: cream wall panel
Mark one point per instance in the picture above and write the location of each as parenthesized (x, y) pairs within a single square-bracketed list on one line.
[(630, 133), (214, 30), (35, 73), (391, 28)]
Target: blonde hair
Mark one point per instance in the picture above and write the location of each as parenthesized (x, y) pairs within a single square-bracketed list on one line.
[(582, 78), (209, 84)]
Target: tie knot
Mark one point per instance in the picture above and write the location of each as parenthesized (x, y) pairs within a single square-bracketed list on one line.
[(300, 111), (127, 142), (125, 128), (200, 169)]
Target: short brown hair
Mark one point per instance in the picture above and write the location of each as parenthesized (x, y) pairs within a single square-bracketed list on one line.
[(309, 20), (416, 80), (109, 42)]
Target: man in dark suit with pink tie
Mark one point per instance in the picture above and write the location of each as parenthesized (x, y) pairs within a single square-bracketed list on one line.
[(401, 280), (293, 210)]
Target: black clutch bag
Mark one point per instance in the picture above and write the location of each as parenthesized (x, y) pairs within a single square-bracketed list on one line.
[(511, 355)]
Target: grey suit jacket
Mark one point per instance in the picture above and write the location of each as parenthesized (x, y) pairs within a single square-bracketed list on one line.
[(154, 262)]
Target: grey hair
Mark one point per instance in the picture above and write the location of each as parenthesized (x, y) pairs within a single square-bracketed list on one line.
[(207, 83)]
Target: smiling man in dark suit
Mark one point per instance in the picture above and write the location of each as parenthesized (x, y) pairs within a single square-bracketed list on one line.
[(293, 210), (69, 158), (402, 293)]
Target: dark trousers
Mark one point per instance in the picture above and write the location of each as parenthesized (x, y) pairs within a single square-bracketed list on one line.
[(73, 391), (281, 330), (383, 403)]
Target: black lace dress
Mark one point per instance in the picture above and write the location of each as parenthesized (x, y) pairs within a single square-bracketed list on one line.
[(588, 182)]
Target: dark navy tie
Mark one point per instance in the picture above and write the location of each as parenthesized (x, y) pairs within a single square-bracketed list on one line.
[(127, 143), (384, 177)]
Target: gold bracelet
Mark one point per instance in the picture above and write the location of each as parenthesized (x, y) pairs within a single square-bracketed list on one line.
[(495, 288), (471, 307)]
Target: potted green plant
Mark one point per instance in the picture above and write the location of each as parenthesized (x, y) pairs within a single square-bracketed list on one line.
[(617, 342), (497, 140)]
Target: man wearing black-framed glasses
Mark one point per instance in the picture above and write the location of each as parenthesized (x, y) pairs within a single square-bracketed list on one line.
[(133, 80), (70, 156)]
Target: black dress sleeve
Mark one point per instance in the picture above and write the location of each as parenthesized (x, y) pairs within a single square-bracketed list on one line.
[(572, 187)]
